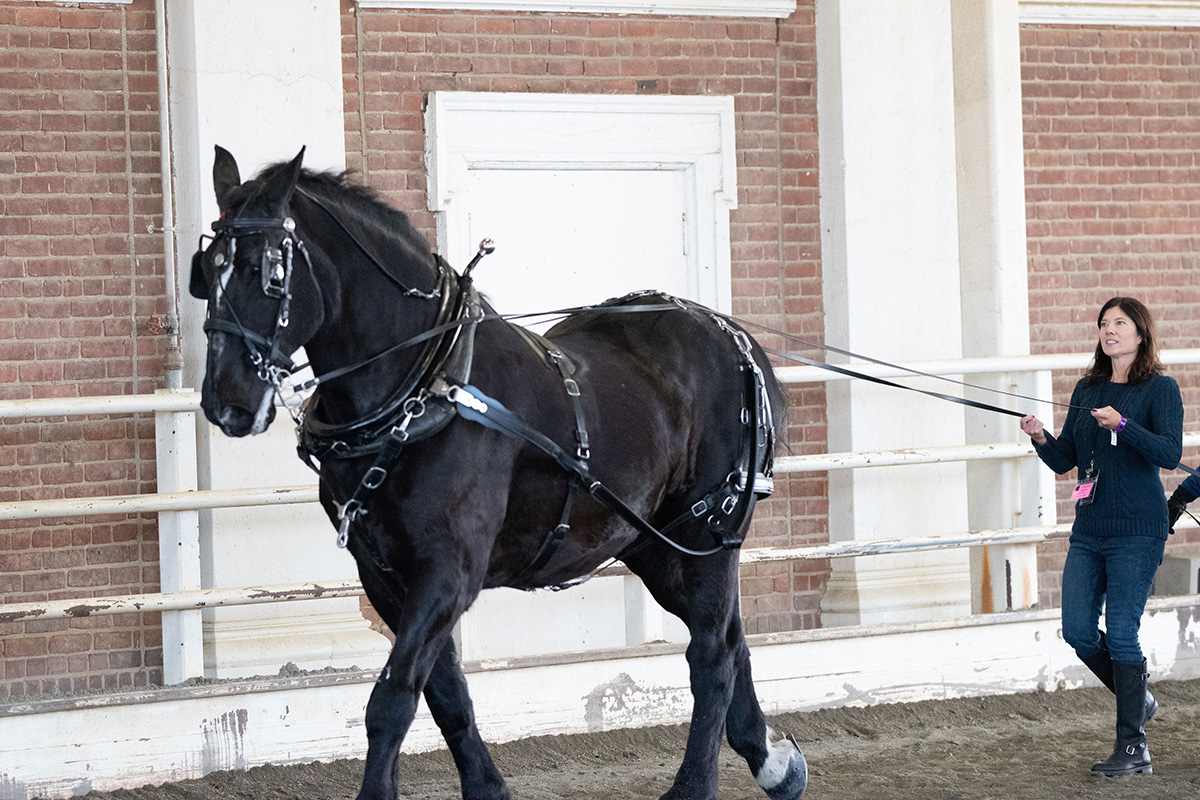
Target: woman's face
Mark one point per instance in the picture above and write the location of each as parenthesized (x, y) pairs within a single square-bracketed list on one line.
[(1118, 334)]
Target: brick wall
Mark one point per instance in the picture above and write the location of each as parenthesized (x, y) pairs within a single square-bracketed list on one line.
[(770, 70), (1112, 200), (81, 293)]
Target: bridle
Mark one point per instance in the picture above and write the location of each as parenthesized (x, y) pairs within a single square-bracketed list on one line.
[(276, 270)]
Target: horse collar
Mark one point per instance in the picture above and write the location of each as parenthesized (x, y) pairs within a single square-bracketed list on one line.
[(446, 358)]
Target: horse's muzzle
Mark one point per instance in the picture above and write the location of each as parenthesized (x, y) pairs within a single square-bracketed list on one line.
[(242, 417)]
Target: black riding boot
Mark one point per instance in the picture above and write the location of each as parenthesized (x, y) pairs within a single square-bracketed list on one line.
[(1101, 665), (1130, 753)]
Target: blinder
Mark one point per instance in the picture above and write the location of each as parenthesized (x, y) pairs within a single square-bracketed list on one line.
[(274, 269), (197, 286)]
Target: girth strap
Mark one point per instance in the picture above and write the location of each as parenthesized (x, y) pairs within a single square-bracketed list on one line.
[(555, 538)]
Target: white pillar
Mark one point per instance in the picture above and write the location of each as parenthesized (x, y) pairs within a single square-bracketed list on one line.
[(995, 290), (178, 544), (261, 79), (891, 289)]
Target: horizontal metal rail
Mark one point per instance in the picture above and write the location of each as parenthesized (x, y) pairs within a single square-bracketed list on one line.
[(188, 400), (167, 400), (253, 595), (912, 544), (290, 495), (153, 503), (823, 462), (176, 601)]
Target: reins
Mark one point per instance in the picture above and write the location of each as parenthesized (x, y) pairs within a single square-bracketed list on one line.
[(786, 355)]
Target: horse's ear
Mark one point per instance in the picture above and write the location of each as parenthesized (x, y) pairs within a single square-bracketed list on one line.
[(225, 175), (281, 185)]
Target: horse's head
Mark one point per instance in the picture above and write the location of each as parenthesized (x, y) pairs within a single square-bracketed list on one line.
[(264, 302)]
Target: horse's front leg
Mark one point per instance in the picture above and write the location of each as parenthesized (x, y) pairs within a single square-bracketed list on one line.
[(450, 704), (432, 605), (446, 694)]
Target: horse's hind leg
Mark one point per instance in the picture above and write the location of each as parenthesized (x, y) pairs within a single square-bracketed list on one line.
[(778, 766), (450, 704), (703, 593)]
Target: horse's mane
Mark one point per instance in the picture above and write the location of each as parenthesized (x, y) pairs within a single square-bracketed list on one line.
[(343, 193)]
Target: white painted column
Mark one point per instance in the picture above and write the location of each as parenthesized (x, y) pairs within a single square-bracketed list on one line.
[(995, 290), (178, 544), (891, 288), (261, 79)]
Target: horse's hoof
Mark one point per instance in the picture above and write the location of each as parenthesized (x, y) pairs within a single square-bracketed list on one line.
[(786, 771)]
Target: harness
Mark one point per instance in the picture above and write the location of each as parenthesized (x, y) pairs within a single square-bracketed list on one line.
[(439, 395), (438, 387)]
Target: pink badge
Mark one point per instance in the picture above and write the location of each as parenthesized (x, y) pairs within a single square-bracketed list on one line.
[(1083, 490)]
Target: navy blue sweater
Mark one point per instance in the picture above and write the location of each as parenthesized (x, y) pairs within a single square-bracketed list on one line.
[(1191, 486), (1129, 498)]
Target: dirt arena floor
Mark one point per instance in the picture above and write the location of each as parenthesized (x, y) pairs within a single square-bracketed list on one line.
[(1016, 747)]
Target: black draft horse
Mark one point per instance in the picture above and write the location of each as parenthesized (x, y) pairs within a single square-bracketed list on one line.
[(628, 418)]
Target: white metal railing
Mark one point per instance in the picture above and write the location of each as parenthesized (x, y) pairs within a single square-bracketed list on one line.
[(182, 597), (1048, 362)]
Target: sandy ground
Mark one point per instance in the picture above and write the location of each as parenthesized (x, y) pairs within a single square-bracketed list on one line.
[(1030, 746)]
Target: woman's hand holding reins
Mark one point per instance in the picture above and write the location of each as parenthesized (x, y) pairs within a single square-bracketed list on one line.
[(1032, 426), (1108, 417)]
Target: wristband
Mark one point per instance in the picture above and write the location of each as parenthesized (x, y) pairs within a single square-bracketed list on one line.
[(1120, 425)]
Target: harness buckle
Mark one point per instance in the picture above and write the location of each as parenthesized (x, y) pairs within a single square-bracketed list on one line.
[(763, 484), (700, 507), (572, 387), (374, 477)]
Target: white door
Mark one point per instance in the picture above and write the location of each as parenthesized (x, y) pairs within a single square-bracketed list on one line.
[(575, 237), (566, 238), (586, 198)]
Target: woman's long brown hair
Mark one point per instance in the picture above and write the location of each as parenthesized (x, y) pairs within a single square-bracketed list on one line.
[(1145, 364)]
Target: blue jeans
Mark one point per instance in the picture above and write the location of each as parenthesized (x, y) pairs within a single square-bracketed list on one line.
[(1113, 573)]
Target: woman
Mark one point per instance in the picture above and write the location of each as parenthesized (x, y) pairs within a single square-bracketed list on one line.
[(1134, 428)]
